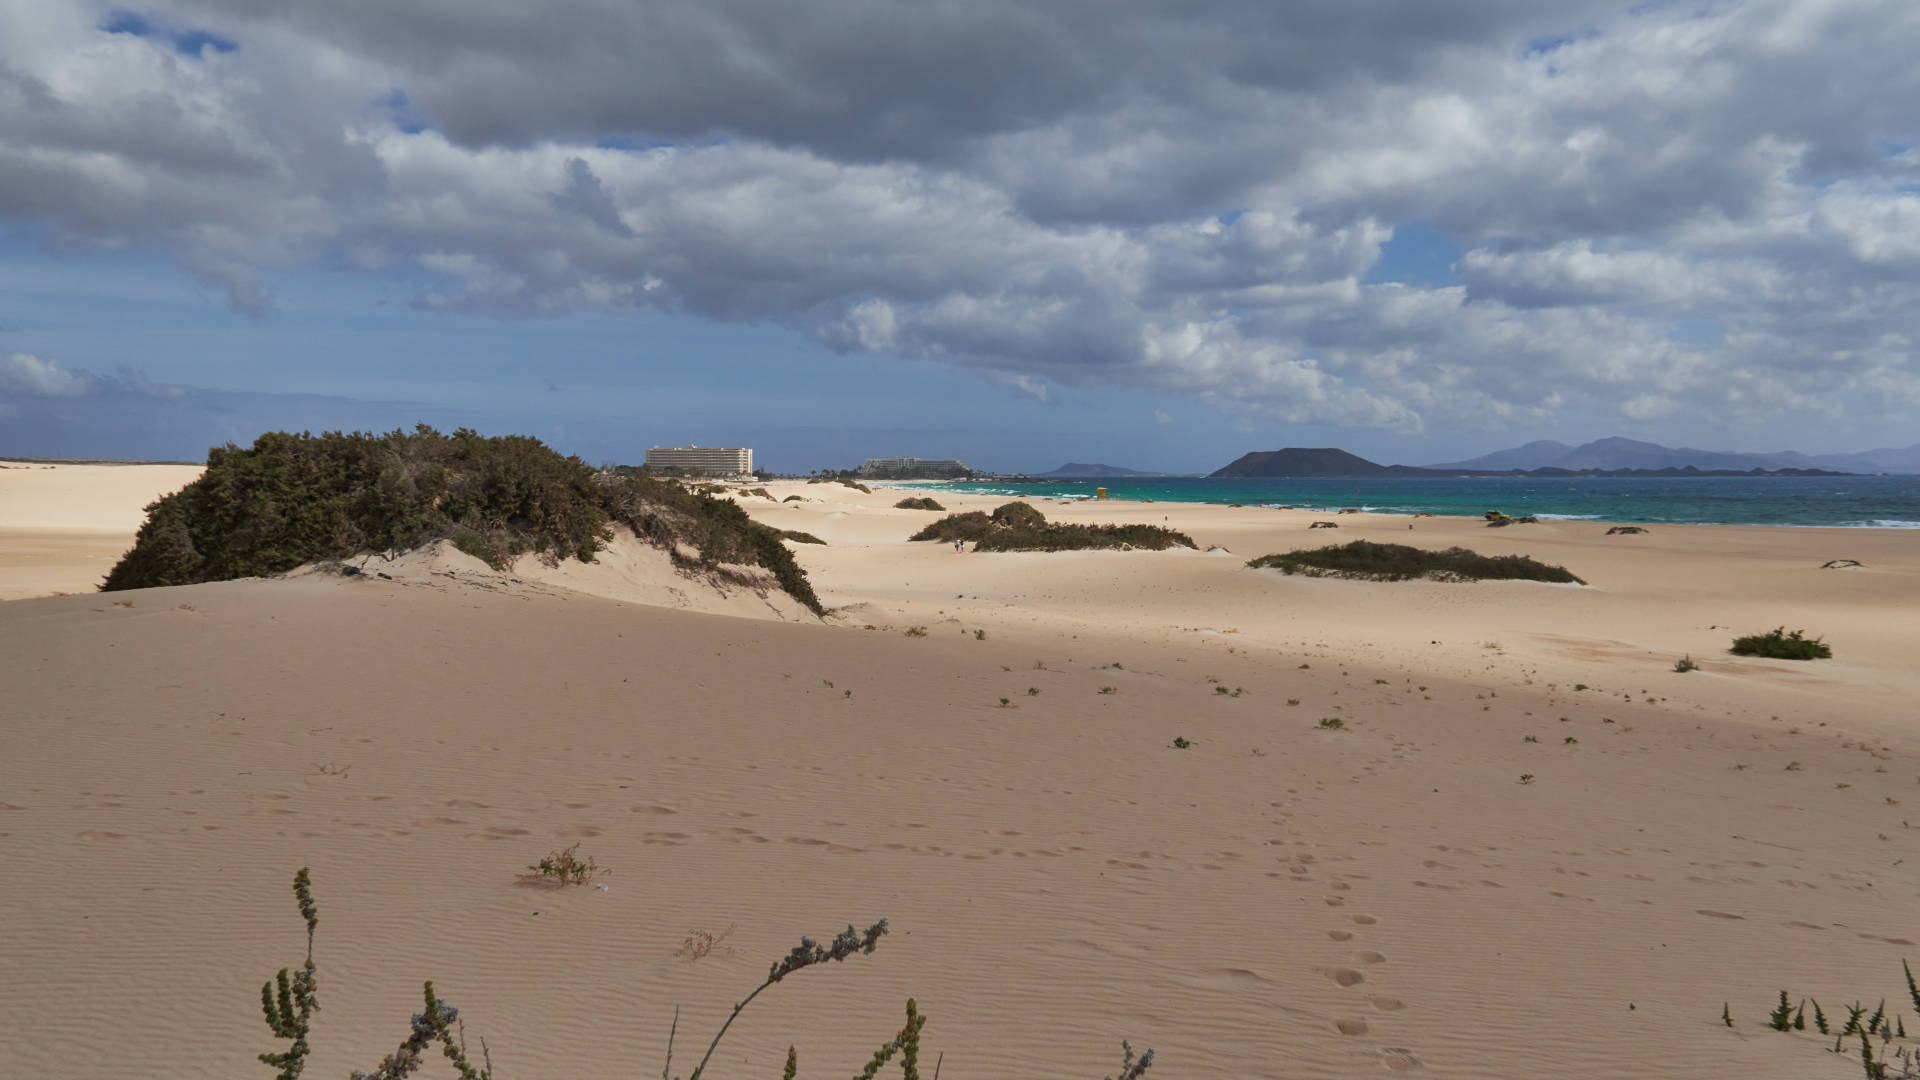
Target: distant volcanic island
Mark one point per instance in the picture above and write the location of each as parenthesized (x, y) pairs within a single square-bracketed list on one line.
[(1331, 462)]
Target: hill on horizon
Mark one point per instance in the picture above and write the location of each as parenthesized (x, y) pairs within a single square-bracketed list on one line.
[(1078, 468), (1621, 453), (1308, 461)]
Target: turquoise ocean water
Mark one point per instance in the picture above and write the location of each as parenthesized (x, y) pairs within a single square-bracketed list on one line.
[(1861, 502)]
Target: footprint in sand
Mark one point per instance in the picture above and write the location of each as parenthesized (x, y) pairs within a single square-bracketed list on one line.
[(1370, 957), (1363, 920), (1711, 914), (1345, 976), (1387, 1004), (1236, 979), (1399, 1059), (1353, 1026), (1340, 935)]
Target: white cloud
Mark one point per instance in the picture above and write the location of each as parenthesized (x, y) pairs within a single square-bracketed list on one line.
[(1132, 198), (29, 376)]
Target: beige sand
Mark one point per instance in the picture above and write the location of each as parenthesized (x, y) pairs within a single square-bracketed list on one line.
[(1277, 900), (62, 527)]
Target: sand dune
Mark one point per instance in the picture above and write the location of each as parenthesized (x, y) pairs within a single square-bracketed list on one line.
[(62, 527), (1278, 899)]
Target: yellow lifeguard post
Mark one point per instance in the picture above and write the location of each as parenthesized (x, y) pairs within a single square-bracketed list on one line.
[(1099, 493)]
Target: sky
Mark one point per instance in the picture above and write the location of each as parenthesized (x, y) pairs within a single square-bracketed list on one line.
[(1016, 232)]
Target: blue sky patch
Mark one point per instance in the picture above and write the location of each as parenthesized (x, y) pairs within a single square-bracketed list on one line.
[(184, 42), (1418, 254)]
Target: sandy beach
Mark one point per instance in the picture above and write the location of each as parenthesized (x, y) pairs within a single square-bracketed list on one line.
[(1528, 848)]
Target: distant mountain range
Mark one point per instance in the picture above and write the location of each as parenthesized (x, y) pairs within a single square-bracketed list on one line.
[(1076, 469), (1618, 453), (1580, 461)]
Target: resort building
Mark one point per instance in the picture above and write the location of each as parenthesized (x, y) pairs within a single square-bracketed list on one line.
[(912, 468), (702, 460)]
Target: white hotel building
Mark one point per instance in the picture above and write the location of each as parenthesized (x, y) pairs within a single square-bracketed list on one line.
[(727, 461)]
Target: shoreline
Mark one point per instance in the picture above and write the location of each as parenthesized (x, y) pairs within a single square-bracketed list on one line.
[(1008, 492)]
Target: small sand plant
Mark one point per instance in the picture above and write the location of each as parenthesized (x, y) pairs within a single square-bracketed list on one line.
[(1180, 742), (564, 867), (1892, 1062), (916, 631), (700, 944), (1685, 664), (1332, 723), (289, 1002), (289, 1014)]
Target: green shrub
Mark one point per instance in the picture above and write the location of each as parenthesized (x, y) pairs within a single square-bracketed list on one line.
[(920, 503), (1018, 515), (293, 499), (1017, 526), (799, 537), (970, 526), (1366, 560), (1685, 664), (1778, 644), (1083, 538)]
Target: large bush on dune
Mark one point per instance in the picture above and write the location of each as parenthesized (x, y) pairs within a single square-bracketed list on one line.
[(292, 499)]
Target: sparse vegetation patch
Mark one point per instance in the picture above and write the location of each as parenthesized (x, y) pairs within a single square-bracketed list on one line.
[(1366, 560), (1018, 526), (1779, 644), (919, 503)]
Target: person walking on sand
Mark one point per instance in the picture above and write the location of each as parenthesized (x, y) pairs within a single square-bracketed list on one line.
[(959, 544)]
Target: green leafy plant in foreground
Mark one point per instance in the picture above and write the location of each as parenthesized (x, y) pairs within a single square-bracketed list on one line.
[(1894, 1062), (289, 1013), (1779, 644)]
